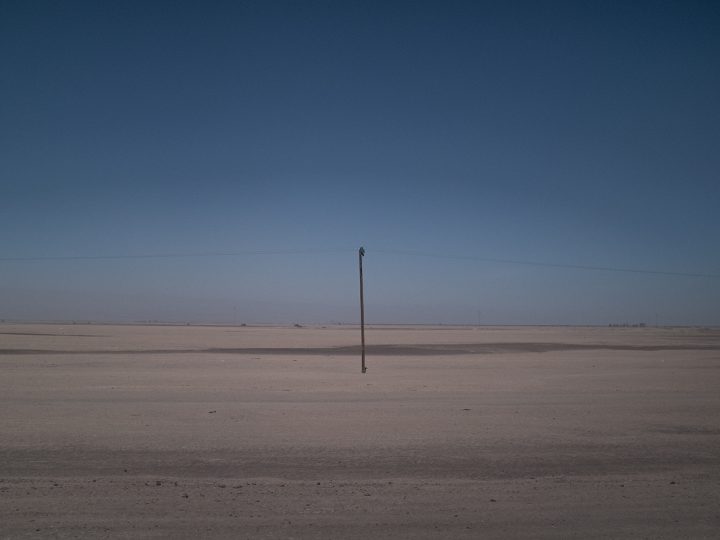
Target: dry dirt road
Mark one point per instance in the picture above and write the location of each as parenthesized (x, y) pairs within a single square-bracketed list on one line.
[(229, 432)]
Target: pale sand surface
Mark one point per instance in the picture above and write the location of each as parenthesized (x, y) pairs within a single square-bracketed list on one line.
[(260, 432)]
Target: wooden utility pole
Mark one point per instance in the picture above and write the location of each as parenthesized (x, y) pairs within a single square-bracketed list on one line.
[(361, 252)]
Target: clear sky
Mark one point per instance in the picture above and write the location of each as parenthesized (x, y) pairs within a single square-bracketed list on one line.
[(579, 133)]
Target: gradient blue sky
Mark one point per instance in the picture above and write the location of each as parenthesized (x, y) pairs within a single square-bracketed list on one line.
[(557, 132)]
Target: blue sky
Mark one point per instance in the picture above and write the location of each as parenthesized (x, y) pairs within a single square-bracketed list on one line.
[(580, 133)]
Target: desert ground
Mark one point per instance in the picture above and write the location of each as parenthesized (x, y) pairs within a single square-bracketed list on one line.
[(132, 431)]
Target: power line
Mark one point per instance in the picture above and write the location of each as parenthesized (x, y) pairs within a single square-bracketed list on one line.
[(550, 265), (177, 255), (313, 251)]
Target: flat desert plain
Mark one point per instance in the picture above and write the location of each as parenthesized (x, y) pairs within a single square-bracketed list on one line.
[(268, 432)]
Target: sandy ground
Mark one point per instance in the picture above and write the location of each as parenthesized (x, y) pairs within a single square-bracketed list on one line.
[(228, 432)]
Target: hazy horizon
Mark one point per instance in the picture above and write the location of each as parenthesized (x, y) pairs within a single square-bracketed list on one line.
[(382, 301)]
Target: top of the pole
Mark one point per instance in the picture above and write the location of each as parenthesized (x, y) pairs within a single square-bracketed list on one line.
[(361, 251)]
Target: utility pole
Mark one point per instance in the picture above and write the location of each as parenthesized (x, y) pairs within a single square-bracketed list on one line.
[(361, 252)]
